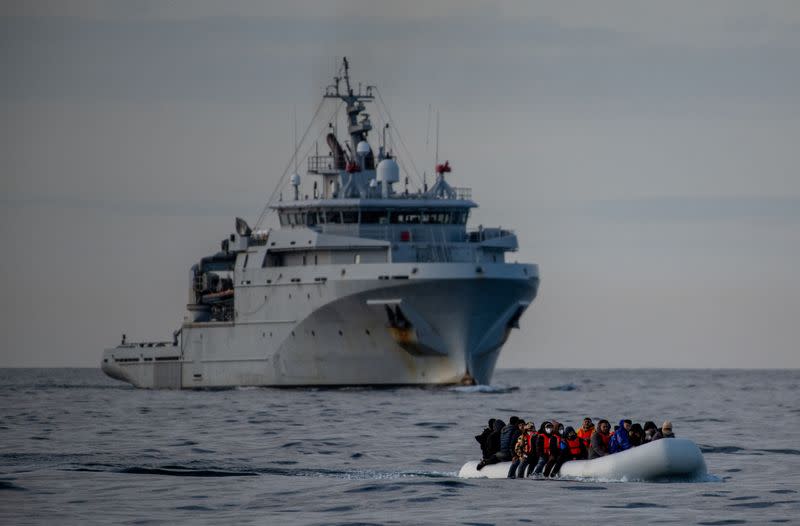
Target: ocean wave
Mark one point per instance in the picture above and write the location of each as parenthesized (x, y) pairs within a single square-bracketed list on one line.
[(228, 471), (486, 389), (565, 387)]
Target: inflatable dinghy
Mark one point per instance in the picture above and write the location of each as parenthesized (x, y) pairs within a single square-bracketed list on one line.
[(668, 458)]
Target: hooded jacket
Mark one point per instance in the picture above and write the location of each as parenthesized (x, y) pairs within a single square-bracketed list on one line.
[(619, 440), (493, 441), (483, 438), (508, 437), (572, 446)]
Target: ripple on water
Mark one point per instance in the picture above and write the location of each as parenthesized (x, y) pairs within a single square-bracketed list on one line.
[(7, 485), (635, 505), (761, 505)]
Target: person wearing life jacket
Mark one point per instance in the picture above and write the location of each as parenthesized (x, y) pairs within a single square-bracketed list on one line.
[(586, 431), (543, 438), (505, 454), (529, 456), (620, 440), (520, 447), (598, 445), (572, 448), (555, 449)]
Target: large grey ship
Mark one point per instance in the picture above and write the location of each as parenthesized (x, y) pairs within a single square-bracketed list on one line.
[(362, 281)]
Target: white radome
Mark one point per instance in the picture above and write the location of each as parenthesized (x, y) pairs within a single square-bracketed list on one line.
[(388, 171)]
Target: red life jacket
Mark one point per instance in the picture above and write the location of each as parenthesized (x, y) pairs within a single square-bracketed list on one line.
[(574, 446), (546, 444), (605, 437), (531, 440)]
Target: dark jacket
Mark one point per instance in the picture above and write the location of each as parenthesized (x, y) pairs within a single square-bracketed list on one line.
[(493, 441), (508, 438), (619, 440), (659, 435), (483, 438)]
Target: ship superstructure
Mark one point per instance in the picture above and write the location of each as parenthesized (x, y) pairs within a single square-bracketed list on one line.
[(362, 283)]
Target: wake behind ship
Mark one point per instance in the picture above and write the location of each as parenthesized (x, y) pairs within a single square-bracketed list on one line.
[(363, 283)]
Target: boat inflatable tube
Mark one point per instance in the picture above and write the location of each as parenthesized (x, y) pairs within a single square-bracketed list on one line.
[(668, 458)]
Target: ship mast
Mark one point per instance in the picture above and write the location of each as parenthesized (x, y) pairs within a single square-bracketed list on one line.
[(354, 103)]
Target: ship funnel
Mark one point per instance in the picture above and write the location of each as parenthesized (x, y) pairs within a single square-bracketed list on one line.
[(388, 173)]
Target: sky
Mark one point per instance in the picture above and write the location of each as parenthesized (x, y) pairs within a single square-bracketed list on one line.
[(645, 153)]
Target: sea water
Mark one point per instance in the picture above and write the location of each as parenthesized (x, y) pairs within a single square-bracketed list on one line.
[(79, 448)]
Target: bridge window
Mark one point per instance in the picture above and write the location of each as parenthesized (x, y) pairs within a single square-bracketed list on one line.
[(432, 217), (350, 216), (373, 217)]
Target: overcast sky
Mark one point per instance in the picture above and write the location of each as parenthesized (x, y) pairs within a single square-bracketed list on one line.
[(646, 153)]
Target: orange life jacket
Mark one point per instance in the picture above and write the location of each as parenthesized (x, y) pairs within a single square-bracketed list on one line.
[(574, 446), (585, 436)]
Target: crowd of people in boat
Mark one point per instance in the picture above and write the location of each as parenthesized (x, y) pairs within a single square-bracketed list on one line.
[(542, 452)]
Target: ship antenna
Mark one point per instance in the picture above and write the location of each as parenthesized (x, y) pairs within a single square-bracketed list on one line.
[(437, 137), (347, 75), (294, 111)]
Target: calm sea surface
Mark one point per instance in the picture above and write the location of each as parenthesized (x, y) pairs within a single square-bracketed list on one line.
[(79, 448)]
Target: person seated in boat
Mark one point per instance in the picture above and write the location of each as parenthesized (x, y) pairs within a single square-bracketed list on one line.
[(649, 431), (586, 431), (636, 435), (483, 439), (523, 449), (493, 441), (531, 455), (665, 431), (619, 440), (515, 456), (571, 448), (598, 445), (505, 453), (542, 446), (554, 448)]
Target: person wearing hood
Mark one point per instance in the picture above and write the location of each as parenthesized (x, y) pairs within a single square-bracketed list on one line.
[(542, 445), (598, 445), (531, 457), (493, 441), (636, 435), (505, 453), (483, 439), (555, 448), (521, 449), (665, 431), (620, 440), (572, 448), (649, 431)]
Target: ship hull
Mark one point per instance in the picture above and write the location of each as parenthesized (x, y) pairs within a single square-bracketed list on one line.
[(423, 328)]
